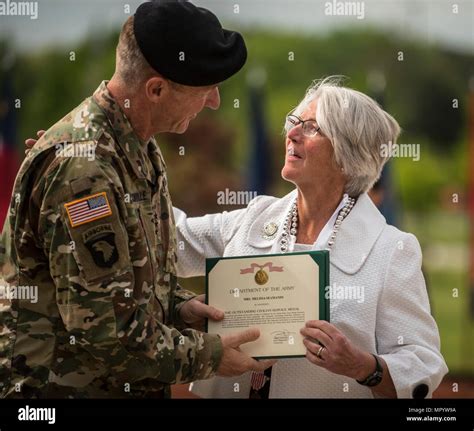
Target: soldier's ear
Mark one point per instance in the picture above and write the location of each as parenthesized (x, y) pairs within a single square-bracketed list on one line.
[(154, 88)]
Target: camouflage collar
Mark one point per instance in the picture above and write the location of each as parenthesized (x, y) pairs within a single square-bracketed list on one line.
[(134, 149)]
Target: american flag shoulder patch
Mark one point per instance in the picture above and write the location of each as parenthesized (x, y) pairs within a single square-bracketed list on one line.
[(88, 209)]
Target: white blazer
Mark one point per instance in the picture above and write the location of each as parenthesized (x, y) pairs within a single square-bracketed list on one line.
[(393, 320)]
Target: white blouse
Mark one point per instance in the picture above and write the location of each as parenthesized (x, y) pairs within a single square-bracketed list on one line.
[(391, 319)]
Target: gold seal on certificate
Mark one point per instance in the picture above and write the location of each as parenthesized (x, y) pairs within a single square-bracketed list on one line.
[(277, 293)]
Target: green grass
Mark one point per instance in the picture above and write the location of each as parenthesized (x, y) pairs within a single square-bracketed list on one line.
[(452, 316), (440, 227), (456, 326)]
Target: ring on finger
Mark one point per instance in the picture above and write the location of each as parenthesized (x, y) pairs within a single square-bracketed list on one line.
[(321, 348)]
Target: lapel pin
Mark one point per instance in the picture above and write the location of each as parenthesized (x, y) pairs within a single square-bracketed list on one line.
[(269, 230)]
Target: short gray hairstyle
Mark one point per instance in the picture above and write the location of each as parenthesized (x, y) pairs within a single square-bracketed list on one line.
[(131, 66), (356, 126)]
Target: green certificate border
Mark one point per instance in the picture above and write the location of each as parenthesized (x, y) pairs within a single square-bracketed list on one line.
[(321, 257)]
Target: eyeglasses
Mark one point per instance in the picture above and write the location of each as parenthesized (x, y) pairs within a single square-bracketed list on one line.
[(310, 128)]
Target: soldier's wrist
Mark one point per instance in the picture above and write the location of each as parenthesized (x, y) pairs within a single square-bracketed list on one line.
[(211, 355), (181, 297), (178, 321)]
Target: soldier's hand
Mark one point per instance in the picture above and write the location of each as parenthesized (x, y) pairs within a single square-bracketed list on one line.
[(235, 362), (30, 142), (195, 312)]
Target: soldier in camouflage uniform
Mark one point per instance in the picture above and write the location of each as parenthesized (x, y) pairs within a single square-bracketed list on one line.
[(96, 236)]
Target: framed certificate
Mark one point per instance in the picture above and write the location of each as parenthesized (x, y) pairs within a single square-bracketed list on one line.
[(277, 293)]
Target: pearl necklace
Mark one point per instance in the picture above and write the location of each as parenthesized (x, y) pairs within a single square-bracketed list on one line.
[(291, 223)]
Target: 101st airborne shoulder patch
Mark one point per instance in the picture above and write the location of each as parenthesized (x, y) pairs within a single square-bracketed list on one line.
[(100, 241), (88, 209)]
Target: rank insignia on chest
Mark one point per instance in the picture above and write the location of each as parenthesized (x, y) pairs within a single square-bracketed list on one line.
[(88, 209)]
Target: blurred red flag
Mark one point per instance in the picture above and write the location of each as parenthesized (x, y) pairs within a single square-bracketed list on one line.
[(9, 160)]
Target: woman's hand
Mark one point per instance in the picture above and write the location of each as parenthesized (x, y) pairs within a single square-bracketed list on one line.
[(30, 142), (329, 348)]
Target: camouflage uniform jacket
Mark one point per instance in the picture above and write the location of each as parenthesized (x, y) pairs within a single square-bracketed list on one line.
[(96, 235)]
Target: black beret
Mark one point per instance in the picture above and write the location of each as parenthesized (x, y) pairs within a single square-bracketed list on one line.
[(187, 44)]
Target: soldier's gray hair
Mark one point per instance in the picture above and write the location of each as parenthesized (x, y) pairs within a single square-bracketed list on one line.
[(357, 127), (131, 67)]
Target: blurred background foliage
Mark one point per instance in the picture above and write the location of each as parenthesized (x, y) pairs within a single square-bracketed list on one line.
[(419, 91)]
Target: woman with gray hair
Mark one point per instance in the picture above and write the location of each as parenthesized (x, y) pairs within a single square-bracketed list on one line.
[(384, 343)]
